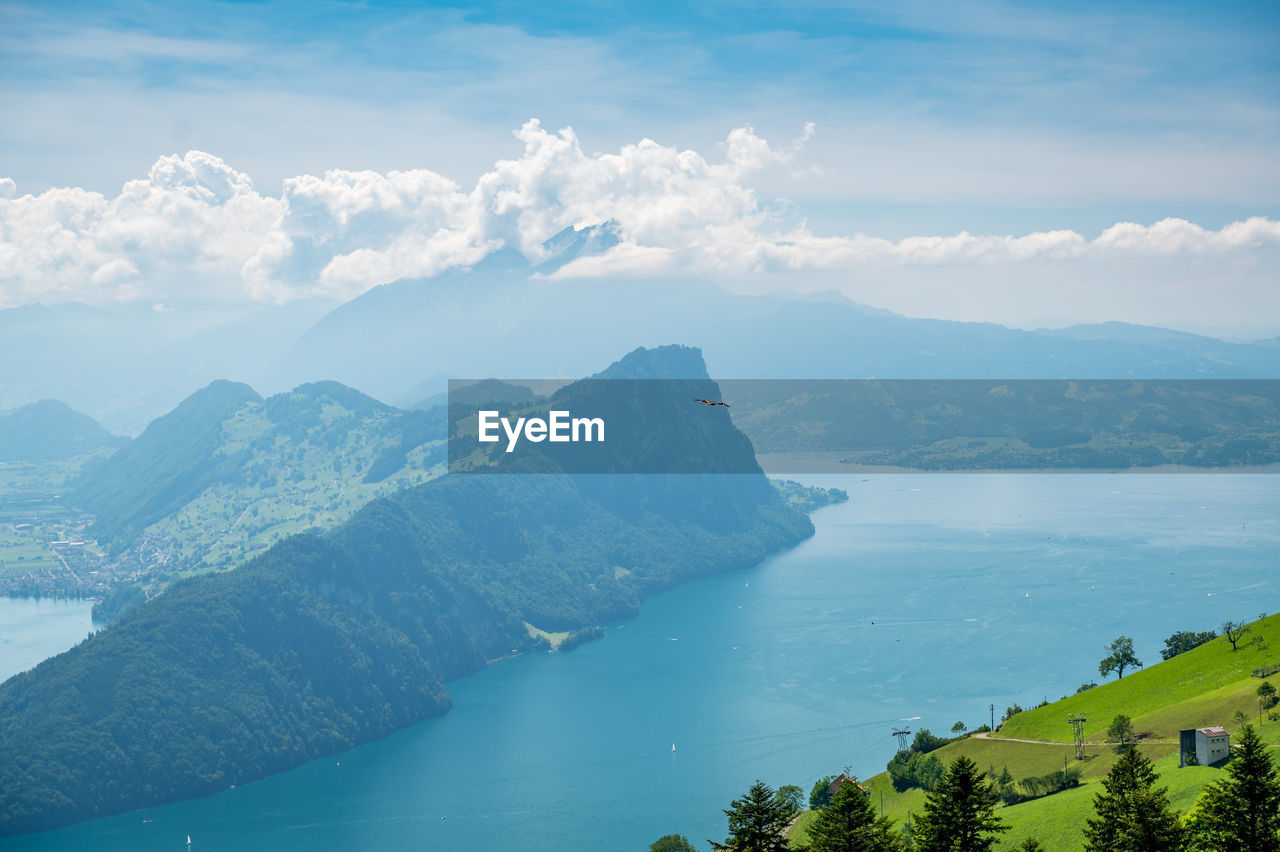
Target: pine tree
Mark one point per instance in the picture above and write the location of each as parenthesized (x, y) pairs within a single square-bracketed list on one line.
[(757, 822), (849, 824), (959, 815), (1242, 812), (1133, 814)]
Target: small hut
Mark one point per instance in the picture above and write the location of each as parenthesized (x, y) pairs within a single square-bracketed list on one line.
[(839, 781), (1209, 745)]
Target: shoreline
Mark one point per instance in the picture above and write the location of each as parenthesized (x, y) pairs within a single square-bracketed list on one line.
[(787, 541), (829, 462)]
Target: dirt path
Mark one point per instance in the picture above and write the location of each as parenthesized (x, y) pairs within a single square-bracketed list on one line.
[(986, 735)]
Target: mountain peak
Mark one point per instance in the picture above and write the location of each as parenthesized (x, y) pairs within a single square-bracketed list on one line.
[(572, 243), (50, 429), (662, 362), (344, 395), (224, 390)]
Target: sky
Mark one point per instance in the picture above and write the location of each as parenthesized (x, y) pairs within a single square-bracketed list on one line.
[(1022, 163)]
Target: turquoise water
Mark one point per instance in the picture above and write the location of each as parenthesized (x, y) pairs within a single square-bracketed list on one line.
[(33, 629), (922, 601)]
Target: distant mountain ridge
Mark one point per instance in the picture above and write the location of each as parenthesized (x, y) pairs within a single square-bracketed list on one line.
[(327, 641), (126, 365), (49, 430), (999, 424), (505, 323), (508, 315)]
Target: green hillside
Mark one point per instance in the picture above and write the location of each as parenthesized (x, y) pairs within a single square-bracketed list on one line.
[(226, 473), (169, 463), (1199, 687), (1205, 686), (1058, 821)]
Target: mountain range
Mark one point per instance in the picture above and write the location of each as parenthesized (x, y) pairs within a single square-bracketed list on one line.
[(514, 318), (509, 326)]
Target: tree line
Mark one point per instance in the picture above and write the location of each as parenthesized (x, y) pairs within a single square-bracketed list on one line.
[(1131, 813)]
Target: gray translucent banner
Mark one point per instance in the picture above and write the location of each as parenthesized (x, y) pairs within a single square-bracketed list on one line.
[(676, 426)]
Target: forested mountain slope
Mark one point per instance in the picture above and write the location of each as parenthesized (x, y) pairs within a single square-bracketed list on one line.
[(327, 641), (227, 473)]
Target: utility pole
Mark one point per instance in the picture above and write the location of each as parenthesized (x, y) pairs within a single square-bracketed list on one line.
[(902, 734), (993, 717), (1077, 728)]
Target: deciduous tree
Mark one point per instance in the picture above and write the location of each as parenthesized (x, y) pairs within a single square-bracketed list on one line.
[(1267, 693), (1183, 641), (790, 796), (821, 793), (1234, 631), (1120, 658), (1121, 730)]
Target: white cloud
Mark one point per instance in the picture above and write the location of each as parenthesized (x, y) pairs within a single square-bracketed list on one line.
[(1173, 236), (196, 229)]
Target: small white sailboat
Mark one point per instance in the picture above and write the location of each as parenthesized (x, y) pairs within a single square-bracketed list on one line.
[(673, 748), (188, 839)]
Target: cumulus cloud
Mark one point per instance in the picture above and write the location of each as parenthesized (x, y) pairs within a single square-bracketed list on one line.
[(187, 226), (196, 229)]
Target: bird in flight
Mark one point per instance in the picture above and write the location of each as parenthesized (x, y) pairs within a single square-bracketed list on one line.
[(709, 402)]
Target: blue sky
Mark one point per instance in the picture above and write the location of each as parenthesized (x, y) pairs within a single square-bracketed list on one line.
[(930, 118), (258, 81)]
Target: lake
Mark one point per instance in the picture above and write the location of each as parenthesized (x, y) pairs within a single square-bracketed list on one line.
[(925, 599), (33, 629)]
